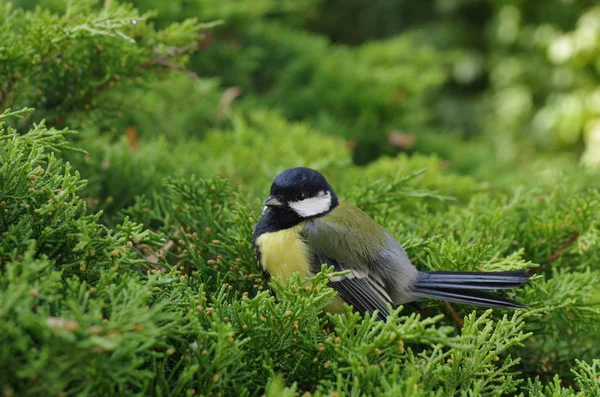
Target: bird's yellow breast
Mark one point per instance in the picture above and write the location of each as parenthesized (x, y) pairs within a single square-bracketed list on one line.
[(283, 252)]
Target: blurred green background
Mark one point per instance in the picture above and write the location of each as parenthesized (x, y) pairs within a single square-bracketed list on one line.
[(499, 90)]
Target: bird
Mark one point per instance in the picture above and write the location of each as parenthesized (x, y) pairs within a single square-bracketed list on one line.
[(304, 225)]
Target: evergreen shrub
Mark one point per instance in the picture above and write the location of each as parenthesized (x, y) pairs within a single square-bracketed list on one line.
[(129, 194)]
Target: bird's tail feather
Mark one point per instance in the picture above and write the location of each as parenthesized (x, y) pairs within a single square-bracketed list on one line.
[(465, 287)]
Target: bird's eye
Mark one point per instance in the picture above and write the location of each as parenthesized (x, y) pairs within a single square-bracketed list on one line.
[(302, 195)]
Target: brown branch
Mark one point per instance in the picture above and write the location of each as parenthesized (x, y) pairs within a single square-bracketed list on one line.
[(6, 90), (557, 254), (174, 66), (459, 321), (228, 96), (51, 58), (171, 52)]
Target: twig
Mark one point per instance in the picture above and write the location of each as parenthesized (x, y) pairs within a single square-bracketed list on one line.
[(171, 52), (455, 316), (51, 58), (171, 65), (6, 90), (228, 96), (556, 254)]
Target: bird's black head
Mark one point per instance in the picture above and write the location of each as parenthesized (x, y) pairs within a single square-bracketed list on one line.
[(298, 194)]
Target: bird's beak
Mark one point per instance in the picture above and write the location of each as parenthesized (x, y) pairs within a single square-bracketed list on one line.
[(273, 202)]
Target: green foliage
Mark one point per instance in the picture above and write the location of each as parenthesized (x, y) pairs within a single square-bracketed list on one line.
[(549, 91), (189, 311), (586, 378), (360, 93), (233, 12), (62, 63), (126, 265), (375, 88), (522, 74), (117, 172), (41, 209)]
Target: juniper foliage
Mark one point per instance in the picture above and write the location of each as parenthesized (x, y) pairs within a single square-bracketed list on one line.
[(126, 265), (62, 63), (183, 307)]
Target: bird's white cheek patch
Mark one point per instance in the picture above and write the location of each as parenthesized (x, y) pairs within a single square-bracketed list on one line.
[(312, 206)]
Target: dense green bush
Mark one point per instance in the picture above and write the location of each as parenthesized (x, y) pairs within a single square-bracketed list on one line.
[(126, 265), (89, 310), (62, 63)]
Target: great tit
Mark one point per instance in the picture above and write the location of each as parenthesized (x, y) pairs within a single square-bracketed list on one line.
[(304, 225)]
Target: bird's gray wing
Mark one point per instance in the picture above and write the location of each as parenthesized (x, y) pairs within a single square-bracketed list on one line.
[(361, 287), (357, 288)]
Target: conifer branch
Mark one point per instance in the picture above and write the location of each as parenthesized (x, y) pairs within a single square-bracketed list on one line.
[(6, 91), (162, 58), (174, 66), (556, 254), (458, 319)]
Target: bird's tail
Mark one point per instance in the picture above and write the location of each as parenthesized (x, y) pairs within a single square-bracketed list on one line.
[(470, 287)]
